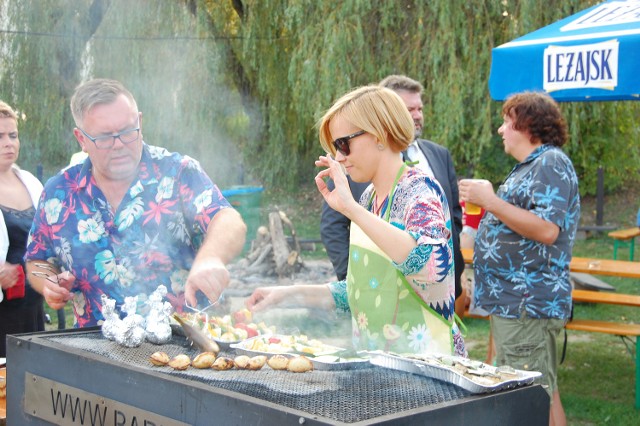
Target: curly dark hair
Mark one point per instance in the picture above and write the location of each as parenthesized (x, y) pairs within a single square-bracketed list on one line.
[(539, 115)]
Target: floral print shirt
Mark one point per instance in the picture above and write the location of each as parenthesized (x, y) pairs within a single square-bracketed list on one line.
[(420, 207), (513, 273), (150, 240)]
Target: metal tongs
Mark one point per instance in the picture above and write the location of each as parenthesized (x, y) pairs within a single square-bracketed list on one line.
[(204, 310), (51, 275)]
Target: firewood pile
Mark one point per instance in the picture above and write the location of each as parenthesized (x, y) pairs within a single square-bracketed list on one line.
[(273, 252)]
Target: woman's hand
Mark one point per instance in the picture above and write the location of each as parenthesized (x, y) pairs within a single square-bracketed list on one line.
[(266, 297), (294, 296), (476, 191), (8, 275), (340, 199)]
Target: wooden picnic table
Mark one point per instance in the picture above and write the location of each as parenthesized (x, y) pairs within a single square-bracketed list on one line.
[(595, 266)]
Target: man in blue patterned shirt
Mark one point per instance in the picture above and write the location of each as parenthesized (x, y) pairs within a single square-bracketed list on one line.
[(524, 242), (129, 218)]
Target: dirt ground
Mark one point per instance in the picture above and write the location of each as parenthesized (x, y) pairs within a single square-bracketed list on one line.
[(620, 209)]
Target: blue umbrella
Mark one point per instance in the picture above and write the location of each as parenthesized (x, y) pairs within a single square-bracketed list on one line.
[(593, 55)]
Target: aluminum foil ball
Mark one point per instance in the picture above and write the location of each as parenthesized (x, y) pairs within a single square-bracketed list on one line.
[(110, 329), (130, 334), (158, 333), (112, 320)]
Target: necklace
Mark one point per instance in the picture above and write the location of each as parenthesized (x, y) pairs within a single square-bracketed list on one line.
[(379, 207), (385, 206)]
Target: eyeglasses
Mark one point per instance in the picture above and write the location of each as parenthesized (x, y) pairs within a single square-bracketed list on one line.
[(107, 141), (342, 144)]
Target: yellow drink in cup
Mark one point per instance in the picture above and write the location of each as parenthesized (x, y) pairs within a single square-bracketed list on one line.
[(471, 209)]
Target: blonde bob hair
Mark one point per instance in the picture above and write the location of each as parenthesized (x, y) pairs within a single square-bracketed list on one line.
[(376, 110)]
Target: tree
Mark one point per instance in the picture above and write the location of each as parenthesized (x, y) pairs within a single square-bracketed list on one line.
[(292, 58), (240, 84)]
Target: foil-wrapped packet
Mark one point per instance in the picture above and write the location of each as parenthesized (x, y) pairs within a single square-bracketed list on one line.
[(134, 329), (131, 332), (157, 322), (112, 320)]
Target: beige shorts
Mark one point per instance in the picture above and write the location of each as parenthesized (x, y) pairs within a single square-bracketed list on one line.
[(529, 344)]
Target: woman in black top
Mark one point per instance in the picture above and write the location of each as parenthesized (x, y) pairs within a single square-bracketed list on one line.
[(21, 308)]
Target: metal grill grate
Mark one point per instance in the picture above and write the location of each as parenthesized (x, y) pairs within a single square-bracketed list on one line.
[(345, 396)]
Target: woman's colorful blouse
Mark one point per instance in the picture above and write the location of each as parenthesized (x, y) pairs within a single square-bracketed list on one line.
[(420, 208)]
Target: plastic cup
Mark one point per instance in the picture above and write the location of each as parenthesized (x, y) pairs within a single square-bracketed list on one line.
[(471, 209)]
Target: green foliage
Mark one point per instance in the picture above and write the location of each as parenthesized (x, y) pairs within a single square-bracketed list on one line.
[(240, 84), (302, 55), (171, 70), (607, 135)]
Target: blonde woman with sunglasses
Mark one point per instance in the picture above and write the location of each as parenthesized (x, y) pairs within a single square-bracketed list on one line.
[(399, 288)]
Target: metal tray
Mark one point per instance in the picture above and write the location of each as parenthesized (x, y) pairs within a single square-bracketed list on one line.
[(326, 361), (429, 368)]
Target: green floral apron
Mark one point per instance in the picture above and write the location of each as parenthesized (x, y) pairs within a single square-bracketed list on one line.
[(387, 313)]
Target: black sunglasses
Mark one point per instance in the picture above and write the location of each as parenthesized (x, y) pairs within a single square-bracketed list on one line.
[(342, 144)]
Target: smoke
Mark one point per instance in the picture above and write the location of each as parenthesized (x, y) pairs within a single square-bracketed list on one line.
[(157, 49), (177, 80), (5, 43)]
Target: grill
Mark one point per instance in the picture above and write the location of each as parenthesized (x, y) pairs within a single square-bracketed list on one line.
[(85, 361)]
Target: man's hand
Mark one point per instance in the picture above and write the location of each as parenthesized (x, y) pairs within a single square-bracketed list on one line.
[(54, 287), (224, 240), (210, 276), (57, 295)]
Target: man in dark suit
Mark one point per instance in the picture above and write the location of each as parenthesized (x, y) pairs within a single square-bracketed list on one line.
[(430, 157), (334, 230)]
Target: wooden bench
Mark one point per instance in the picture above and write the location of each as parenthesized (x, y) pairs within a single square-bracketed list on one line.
[(624, 237), (623, 330)]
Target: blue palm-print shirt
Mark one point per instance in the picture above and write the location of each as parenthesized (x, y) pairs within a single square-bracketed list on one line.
[(513, 273), (150, 240)]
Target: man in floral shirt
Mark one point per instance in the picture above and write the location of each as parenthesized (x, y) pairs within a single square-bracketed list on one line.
[(129, 218), (524, 242)]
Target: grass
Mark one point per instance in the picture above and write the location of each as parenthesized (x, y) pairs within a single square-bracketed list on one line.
[(597, 378)]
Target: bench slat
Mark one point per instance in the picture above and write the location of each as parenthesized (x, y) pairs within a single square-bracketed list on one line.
[(605, 297), (619, 329), (625, 234), (604, 327)]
